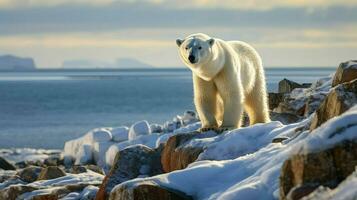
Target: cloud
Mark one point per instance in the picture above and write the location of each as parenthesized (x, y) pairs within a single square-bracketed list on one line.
[(79, 41), (109, 18), (277, 45), (187, 4), (55, 30)]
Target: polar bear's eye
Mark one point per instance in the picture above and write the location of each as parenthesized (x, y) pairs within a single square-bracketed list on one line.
[(186, 48), (200, 48)]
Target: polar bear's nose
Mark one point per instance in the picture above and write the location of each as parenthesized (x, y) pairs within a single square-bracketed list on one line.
[(192, 59)]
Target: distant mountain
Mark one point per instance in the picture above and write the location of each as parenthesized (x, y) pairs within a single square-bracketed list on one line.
[(92, 64), (14, 63)]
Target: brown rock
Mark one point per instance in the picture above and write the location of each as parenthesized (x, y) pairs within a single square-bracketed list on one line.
[(130, 163), (146, 191), (176, 156), (275, 99), (51, 172), (45, 197), (285, 118), (14, 191), (30, 174), (327, 167), (286, 86), (347, 71), (339, 100), (293, 106), (299, 192), (6, 165), (77, 169), (95, 168)]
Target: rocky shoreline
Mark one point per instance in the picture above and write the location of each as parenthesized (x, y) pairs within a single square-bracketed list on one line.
[(308, 151)]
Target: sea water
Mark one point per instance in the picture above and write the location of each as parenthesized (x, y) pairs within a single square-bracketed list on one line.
[(43, 109)]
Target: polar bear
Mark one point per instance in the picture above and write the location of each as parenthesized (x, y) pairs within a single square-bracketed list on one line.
[(228, 77)]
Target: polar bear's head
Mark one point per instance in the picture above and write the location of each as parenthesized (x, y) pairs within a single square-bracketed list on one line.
[(195, 49), (202, 54)]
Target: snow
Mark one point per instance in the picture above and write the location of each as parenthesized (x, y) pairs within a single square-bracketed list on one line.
[(251, 170), (138, 129), (27, 154), (85, 149), (84, 154), (87, 194), (186, 129), (101, 145), (147, 140), (240, 142), (120, 134), (47, 186)]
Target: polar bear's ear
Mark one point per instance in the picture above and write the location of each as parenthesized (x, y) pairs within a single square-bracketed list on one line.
[(179, 42), (210, 41)]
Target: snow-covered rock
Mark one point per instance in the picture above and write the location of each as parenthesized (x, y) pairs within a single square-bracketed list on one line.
[(85, 149), (304, 101), (27, 155), (156, 128), (347, 71), (130, 163), (340, 99), (84, 155), (254, 175), (147, 140), (120, 134), (138, 129)]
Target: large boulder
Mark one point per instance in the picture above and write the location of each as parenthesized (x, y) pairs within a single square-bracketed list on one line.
[(347, 71), (302, 173), (132, 162), (146, 190), (6, 165), (176, 155), (51, 172), (30, 174), (339, 100)]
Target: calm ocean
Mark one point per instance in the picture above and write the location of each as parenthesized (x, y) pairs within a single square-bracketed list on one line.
[(45, 109)]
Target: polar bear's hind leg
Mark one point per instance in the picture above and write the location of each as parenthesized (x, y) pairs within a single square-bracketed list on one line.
[(256, 104)]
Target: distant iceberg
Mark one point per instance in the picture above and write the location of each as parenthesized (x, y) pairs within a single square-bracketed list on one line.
[(10, 62)]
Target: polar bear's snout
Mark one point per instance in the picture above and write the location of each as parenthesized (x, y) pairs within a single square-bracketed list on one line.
[(192, 59)]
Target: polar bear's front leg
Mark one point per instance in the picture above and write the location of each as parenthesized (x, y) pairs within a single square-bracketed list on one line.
[(231, 91), (205, 93)]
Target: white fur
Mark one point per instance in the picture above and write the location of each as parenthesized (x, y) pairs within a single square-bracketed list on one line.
[(228, 78)]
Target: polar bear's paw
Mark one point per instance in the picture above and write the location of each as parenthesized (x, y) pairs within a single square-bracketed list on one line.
[(205, 129), (215, 129), (223, 129)]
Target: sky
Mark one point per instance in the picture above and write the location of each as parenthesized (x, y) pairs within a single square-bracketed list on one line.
[(287, 33)]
